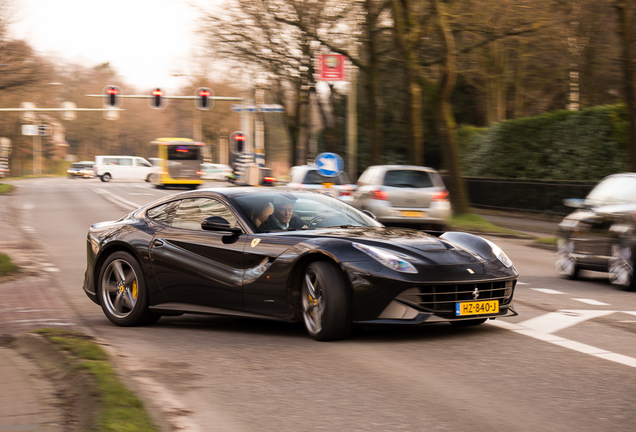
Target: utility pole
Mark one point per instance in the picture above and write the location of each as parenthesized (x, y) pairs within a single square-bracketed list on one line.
[(352, 122)]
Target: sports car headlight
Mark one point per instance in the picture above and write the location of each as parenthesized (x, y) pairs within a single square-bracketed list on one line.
[(393, 260), (501, 255)]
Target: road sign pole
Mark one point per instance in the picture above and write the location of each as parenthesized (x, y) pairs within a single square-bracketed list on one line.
[(37, 152)]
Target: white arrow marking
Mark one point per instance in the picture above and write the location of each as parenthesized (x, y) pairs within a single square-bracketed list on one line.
[(592, 302), (566, 343), (557, 321), (547, 290), (329, 165)]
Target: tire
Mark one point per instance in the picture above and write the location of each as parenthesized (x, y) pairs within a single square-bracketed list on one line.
[(621, 267), (325, 302), (565, 263), (149, 178), (469, 323), (122, 291), (106, 178)]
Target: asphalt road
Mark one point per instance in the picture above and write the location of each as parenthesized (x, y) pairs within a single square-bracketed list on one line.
[(567, 362)]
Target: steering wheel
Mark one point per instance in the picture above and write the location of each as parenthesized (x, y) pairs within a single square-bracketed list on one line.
[(313, 223)]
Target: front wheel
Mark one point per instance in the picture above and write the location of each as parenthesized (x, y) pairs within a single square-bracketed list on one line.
[(621, 266), (325, 302), (565, 263), (106, 178), (122, 291)]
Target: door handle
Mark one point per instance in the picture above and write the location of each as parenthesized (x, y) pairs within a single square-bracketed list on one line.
[(157, 243)]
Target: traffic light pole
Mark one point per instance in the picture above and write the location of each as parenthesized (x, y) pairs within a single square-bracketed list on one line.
[(37, 152)]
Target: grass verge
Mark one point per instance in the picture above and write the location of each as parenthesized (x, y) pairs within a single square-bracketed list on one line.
[(120, 409), (473, 222), (552, 241), (6, 266), (5, 188)]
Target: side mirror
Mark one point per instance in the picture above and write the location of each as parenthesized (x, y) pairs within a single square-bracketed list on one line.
[(368, 213), (577, 203), (217, 223)]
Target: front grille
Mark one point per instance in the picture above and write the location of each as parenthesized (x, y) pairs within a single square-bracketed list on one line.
[(442, 297)]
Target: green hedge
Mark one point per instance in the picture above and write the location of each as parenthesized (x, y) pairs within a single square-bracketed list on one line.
[(562, 145)]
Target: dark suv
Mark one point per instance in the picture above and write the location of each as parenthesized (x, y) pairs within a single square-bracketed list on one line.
[(601, 234)]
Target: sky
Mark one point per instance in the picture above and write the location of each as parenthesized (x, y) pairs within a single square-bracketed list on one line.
[(145, 41)]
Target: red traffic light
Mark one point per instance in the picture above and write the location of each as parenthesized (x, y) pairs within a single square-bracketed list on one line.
[(202, 98), (156, 99), (112, 97), (237, 142)]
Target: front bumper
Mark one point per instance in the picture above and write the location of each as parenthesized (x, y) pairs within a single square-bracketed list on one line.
[(382, 296)]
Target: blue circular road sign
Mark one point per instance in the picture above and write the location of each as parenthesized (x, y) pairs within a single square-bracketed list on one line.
[(329, 164)]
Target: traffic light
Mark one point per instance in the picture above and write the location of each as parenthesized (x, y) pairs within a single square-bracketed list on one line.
[(203, 99), (237, 142), (156, 99), (112, 97)]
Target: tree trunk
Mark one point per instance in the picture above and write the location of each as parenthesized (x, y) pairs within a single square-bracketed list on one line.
[(373, 87), (403, 26), (445, 120), (520, 78), (625, 33)]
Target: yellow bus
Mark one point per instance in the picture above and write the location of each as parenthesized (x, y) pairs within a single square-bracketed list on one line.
[(179, 162)]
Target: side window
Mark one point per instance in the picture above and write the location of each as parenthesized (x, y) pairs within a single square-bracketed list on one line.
[(164, 212), (193, 211), (110, 161), (125, 161)]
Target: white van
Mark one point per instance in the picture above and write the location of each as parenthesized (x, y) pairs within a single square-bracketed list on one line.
[(123, 168)]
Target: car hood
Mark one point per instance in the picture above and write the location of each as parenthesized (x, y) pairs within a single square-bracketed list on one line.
[(614, 211), (428, 248)]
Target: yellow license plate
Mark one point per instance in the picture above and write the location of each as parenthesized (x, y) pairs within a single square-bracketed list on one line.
[(477, 308), (413, 214)]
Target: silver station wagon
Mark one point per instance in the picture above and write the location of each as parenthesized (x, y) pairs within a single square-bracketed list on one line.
[(404, 195)]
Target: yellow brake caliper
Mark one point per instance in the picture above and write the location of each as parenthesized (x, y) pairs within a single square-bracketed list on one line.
[(134, 289)]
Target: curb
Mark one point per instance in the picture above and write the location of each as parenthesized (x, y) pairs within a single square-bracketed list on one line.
[(73, 386)]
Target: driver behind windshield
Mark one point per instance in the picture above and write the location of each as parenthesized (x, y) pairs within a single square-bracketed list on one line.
[(283, 217)]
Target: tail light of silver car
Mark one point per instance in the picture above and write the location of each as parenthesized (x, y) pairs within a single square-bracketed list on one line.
[(379, 195), (440, 196)]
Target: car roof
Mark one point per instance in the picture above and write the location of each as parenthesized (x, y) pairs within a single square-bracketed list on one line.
[(403, 167)]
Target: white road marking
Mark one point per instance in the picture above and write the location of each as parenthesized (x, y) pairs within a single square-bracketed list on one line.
[(521, 283), (547, 290), (523, 329), (128, 205), (592, 302), (557, 321), (28, 229), (28, 206)]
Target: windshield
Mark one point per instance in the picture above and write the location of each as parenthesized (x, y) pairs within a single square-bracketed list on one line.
[(613, 190), (281, 211), (183, 152), (408, 178)]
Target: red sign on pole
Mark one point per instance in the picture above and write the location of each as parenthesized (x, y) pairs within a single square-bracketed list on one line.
[(332, 67)]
